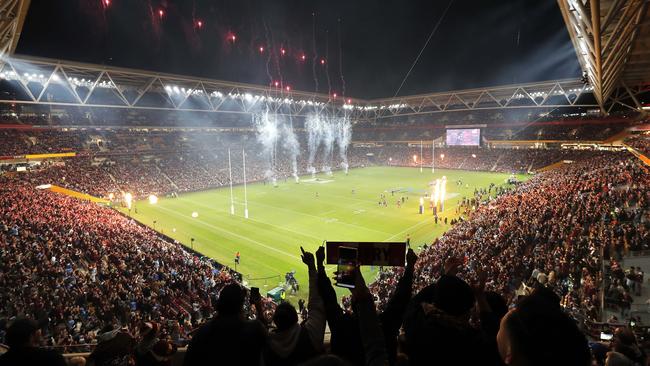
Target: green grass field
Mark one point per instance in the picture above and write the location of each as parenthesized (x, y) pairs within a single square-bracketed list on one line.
[(283, 218)]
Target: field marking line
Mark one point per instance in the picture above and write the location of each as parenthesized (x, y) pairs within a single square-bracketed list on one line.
[(231, 233), (261, 222), (407, 229), (252, 259), (313, 216)]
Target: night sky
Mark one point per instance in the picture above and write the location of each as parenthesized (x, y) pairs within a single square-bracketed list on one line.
[(479, 42)]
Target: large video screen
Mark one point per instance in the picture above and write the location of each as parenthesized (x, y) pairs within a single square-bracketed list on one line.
[(464, 137)]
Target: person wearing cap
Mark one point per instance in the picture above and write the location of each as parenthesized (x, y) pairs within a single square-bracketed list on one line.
[(23, 338)]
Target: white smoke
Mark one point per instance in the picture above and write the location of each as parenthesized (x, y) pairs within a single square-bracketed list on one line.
[(327, 132), (343, 138), (291, 146), (266, 128), (313, 126)]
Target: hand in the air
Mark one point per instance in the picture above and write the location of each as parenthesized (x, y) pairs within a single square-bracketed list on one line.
[(307, 258)]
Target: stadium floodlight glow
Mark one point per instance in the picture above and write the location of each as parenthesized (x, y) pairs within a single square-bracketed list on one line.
[(195, 214), (168, 89), (248, 97), (153, 199), (176, 90)]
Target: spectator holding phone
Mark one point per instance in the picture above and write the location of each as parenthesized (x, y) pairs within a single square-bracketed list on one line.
[(292, 343)]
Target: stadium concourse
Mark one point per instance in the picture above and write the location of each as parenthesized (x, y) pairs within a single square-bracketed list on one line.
[(95, 281)]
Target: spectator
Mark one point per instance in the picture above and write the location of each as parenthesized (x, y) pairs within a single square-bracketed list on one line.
[(292, 343), (437, 326), (537, 332), (625, 344), (228, 339), (24, 338)]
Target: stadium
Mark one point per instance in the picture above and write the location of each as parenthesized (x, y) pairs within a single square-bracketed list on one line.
[(324, 183)]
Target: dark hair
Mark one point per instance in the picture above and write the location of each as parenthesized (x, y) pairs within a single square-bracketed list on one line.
[(285, 316), (497, 303), (20, 331), (231, 300), (453, 295), (534, 323)]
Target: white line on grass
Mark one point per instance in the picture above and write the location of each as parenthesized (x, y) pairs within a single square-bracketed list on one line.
[(309, 215), (230, 232), (251, 259), (260, 221), (407, 229)]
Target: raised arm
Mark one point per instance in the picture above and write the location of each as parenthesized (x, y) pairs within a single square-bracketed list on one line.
[(315, 324), (370, 330), (333, 311), (393, 315)]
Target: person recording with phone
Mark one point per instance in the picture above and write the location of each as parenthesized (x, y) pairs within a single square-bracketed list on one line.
[(346, 337)]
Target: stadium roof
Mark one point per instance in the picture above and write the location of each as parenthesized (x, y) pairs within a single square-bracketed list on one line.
[(12, 18), (612, 42), (611, 38), (30, 80)]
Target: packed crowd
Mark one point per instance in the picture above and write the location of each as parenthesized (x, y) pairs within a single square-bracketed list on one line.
[(76, 268), (479, 158), (551, 231), (641, 142), (544, 239)]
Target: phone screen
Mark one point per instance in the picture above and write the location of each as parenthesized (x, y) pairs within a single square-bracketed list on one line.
[(606, 336), (347, 263), (255, 294)]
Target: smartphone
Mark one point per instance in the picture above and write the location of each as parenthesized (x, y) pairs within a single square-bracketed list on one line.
[(606, 336), (255, 294), (347, 263)]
